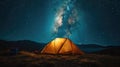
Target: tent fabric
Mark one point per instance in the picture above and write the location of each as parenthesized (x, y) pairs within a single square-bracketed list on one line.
[(61, 46)]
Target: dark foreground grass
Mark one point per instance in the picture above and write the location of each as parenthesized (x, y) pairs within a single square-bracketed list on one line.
[(26, 59)]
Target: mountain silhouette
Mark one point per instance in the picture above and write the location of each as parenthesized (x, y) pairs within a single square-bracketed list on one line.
[(26, 45)]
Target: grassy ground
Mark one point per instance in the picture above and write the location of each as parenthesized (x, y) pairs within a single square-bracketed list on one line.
[(26, 59)]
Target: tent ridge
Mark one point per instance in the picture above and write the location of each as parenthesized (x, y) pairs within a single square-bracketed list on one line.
[(61, 45)]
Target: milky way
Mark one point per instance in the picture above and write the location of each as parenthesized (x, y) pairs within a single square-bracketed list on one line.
[(66, 19)]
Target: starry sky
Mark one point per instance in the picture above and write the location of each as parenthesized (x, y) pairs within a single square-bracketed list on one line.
[(34, 19)]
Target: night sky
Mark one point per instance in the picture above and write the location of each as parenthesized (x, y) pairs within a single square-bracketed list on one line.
[(34, 19)]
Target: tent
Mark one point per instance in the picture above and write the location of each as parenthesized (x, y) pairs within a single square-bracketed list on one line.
[(61, 46)]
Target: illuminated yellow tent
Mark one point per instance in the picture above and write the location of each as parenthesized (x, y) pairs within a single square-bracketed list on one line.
[(61, 46)]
